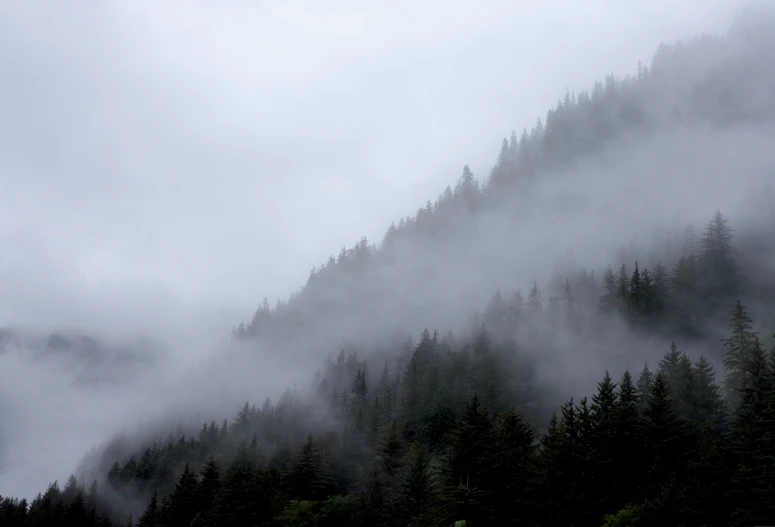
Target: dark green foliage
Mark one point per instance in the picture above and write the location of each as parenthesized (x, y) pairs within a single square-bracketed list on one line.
[(184, 501), (418, 491), (309, 478), (513, 472), (659, 453), (643, 387), (719, 268), (668, 442), (739, 347), (152, 515), (753, 443)]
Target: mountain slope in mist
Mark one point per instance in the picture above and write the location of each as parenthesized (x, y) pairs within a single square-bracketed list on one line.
[(633, 215), (610, 176)]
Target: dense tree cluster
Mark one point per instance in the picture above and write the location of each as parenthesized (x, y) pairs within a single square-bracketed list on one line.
[(446, 438)]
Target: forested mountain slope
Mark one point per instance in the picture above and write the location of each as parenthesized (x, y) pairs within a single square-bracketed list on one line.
[(610, 176), (635, 223)]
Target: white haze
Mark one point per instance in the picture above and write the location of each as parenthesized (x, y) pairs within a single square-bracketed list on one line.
[(164, 165)]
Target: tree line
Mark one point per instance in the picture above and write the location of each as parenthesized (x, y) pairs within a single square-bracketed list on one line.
[(446, 439)]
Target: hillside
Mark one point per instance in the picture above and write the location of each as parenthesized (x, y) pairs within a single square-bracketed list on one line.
[(634, 224), (686, 135)]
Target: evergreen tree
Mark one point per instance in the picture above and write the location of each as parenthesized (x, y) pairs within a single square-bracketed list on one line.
[(390, 457), (534, 302), (513, 476), (707, 404), (708, 480), (486, 370), (718, 257), (685, 287), (668, 446), (310, 477), (184, 503), (737, 354), (152, 515), (676, 370), (603, 444), (418, 494), (244, 496), (468, 462), (610, 299), (517, 308), (644, 386), (209, 486), (753, 442), (660, 289), (628, 452), (635, 290), (623, 286)]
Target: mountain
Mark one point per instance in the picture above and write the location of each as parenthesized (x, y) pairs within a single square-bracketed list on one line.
[(684, 137), (634, 224)]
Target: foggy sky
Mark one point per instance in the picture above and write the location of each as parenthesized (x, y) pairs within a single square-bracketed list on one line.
[(164, 165), (164, 158)]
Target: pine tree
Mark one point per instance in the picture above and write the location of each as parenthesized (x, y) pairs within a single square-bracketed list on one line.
[(610, 299), (709, 479), (184, 503), (753, 442), (209, 486), (623, 286), (534, 302), (718, 257), (513, 477), (685, 287), (516, 308), (151, 516), (75, 513), (555, 474), (310, 477), (660, 290), (390, 456), (646, 295), (667, 439), (707, 404), (737, 355), (569, 303), (634, 299), (418, 491), (603, 444), (238, 501), (372, 500), (676, 370), (468, 462), (385, 391), (628, 452), (644, 386), (486, 373), (496, 315)]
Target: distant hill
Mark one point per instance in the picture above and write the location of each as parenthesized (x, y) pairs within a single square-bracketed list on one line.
[(88, 359)]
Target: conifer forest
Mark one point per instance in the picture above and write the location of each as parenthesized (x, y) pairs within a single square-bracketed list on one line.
[(630, 385)]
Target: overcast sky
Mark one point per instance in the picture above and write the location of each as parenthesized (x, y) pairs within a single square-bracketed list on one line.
[(163, 159)]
